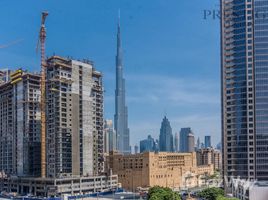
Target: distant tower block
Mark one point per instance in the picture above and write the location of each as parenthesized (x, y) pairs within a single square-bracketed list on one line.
[(190, 138), (166, 137)]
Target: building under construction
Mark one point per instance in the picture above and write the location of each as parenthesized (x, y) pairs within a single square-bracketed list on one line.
[(20, 124), (74, 121), (74, 118), (4, 75), (51, 128), (74, 128), (78, 187)]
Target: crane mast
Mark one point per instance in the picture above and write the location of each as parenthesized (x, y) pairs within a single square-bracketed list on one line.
[(42, 38)]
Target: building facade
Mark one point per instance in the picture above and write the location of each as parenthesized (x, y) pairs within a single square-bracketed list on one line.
[(73, 187), (136, 149), (121, 111), (176, 142), (217, 160), (75, 142), (184, 139), (244, 71), (207, 141), (4, 75), (208, 156), (20, 124), (109, 137), (191, 145), (166, 138), (173, 170), (147, 145), (219, 146), (250, 190)]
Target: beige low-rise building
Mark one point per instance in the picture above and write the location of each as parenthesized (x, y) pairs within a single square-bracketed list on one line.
[(209, 156), (174, 170)]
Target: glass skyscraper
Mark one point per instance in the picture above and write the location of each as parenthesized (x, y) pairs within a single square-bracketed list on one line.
[(184, 143), (121, 111), (244, 77), (207, 141), (166, 137), (147, 145)]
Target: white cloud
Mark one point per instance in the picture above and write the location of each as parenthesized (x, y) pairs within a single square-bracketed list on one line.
[(156, 89)]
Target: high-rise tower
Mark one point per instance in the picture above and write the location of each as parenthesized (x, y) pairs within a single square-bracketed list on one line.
[(20, 124), (244, 76), (109, 137), (166, 136), (207, 141), (190, 140), (121, 113), (75, 118), (184, 144), (176, 142), (148, 145)]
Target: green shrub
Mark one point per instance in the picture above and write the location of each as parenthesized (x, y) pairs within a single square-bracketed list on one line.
[(211, 193), (161, 193)]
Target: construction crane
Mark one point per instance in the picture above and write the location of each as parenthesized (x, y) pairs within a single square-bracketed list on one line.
[(41, 41)]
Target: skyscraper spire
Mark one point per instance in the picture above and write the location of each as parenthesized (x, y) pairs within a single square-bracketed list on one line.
[(121, 113), (119, 15), (119, 47)]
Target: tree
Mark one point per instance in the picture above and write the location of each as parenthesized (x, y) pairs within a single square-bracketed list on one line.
[(161, 193), (211, 193)]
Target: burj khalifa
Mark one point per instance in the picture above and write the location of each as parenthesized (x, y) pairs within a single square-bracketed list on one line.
[(121, 111)]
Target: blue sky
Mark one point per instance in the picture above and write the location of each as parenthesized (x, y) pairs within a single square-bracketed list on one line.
[(171, 54)]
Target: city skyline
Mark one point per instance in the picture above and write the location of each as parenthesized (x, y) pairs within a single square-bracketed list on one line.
[(148, 99)]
